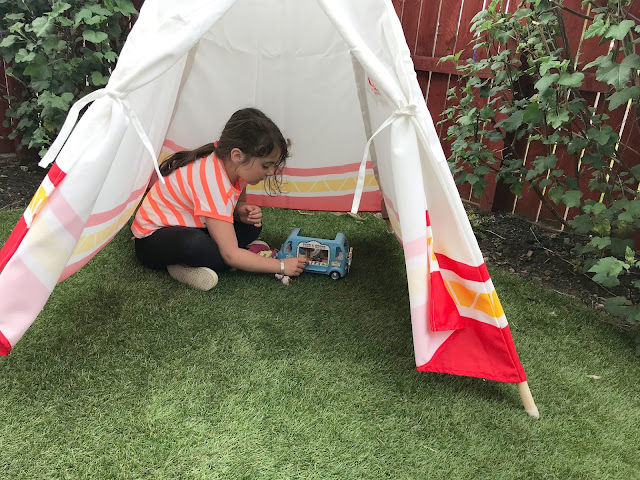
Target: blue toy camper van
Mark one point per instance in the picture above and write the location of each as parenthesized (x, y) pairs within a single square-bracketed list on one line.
[(330, 257)]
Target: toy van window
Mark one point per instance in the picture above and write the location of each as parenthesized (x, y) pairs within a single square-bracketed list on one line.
[(315, 252), (287, 248), (339, 255)]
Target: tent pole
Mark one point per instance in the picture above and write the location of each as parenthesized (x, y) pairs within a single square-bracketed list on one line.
[(385, 215), (527, 400)]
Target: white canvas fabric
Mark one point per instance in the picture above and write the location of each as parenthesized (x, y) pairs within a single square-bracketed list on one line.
[(337, 78)]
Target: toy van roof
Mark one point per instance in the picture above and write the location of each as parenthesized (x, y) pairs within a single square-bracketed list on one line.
[(295, 233)]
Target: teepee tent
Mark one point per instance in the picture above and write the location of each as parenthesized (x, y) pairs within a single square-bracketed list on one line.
[(337, 78)]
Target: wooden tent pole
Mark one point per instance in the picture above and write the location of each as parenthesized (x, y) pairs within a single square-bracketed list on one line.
[(527, 400)]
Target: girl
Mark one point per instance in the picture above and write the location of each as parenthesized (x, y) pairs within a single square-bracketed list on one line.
[(198, 224)]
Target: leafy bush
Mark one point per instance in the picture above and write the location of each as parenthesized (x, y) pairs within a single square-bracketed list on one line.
[(57, 52), (527, 89)]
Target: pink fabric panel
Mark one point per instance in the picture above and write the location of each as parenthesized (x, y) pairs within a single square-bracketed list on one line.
[(22, 299)]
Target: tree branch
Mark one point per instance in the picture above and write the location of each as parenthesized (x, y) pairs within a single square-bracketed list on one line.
[(574, 12), (547, 204)]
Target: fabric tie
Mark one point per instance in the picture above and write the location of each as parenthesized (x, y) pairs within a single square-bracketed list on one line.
[(72, 120), (409, 110)]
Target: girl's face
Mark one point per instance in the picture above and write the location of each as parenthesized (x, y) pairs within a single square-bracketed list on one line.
[(258, 169)]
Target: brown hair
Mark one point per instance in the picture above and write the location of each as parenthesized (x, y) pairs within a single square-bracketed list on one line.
[(251, 131)]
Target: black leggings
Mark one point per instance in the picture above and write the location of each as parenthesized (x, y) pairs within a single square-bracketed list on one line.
[(188, 246)]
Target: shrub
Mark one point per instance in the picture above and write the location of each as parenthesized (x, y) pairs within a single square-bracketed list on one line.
[(57, 52), (528, 90)]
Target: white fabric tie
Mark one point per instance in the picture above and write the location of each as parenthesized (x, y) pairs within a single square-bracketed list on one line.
[(409, 110), (72, 120)]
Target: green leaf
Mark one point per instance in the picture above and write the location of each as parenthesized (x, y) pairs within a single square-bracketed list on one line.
[(600, 242), (618, 32), (14, 16), (545, 183), (594, 209), (37, 71), (514, 121), (82, 15), (24, 56), (555, 194), (98, 79), (581, 223), (623, 96), (571, 79), (557, 119), (125, 7), (630, 255), (532, 113), (607, 270), (612, 73), (42, 25), (111, 56), (572, 198), (617, 306), (602, 135), (94, 37), (8, 41), (576, 145), (98, 10), (60, 7), (597, 28), (545, 82), (94, 20)]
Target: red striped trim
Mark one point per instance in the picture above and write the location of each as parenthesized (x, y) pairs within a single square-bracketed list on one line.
[(172, 145), (479, 350), (428, 219), (12, 243), (443, 314), (475, 274), (370, 202), (74, 267), (5, 346), (55, 174), (104, 217), (318, 171)]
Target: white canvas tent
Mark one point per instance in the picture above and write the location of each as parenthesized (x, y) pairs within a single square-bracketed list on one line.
[(337, 78)]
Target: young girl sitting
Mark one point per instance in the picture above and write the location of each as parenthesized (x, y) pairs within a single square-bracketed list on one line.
[(198, 224)]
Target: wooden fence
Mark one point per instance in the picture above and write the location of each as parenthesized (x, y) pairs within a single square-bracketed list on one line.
[(436, 28)]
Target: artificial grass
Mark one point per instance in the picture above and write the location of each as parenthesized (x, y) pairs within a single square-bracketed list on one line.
[(128, 374)]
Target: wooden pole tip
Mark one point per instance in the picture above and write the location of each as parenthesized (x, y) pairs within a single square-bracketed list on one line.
[(527, 400)]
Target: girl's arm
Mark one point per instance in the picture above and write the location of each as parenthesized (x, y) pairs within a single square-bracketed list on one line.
[(224, 235)]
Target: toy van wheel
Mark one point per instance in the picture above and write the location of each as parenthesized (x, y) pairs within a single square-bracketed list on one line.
[(334, 275)]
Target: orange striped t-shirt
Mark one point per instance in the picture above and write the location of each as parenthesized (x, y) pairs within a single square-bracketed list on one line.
[(190, 193)]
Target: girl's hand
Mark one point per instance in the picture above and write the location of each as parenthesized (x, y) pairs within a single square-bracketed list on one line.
[(250, 214), (294, 266)]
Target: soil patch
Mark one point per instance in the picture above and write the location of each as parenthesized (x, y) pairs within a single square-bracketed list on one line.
[(18, 182), (536, 253)]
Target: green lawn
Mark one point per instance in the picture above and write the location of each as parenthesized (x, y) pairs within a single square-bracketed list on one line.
[(128, 374)]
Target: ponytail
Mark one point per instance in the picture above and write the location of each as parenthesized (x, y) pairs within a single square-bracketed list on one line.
[(180, 159)]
